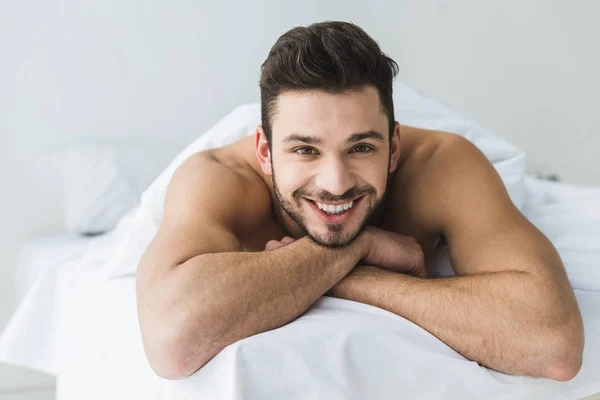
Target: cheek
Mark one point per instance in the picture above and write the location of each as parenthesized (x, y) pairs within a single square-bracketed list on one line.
[(372, 169), (290, 178), (375, 177)]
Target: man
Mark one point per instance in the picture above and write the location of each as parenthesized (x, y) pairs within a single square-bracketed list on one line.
[(332, 196)]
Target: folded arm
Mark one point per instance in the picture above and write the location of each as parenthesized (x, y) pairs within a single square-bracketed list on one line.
[(510, 307), (508, 321), (199, 292)]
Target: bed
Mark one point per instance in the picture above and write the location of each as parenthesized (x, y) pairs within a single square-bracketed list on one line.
[(98, 353), (77, 317)]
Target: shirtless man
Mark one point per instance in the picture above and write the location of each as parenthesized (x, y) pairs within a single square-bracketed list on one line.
[(332, 196)]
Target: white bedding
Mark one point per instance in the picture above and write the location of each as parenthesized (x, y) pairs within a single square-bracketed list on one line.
[(79, 321), (338, 350), (45, 253)]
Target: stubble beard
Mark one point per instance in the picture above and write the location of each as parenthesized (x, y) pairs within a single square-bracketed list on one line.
[(334, 237)]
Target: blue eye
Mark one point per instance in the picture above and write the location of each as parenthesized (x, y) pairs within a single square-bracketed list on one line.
[(305, 151), (366, 149)]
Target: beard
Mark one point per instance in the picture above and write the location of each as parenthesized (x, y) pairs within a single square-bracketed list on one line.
[(335, 237)]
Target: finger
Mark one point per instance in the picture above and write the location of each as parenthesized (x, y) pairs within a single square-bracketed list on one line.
[(420, 268), (287, 240), (272, 245)]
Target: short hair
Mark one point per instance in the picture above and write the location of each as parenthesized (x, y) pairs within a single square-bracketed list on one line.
[(331, 56)]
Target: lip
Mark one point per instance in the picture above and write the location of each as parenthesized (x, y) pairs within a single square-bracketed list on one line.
[(334, 218), (339, 203)]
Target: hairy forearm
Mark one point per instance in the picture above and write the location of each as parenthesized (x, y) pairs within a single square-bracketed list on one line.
[(507, 321), (214, 300)]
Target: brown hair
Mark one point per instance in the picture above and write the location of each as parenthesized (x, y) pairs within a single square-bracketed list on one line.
[(331, 56)]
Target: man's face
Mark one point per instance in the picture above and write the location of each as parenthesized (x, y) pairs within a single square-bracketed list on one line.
[(330, 160)]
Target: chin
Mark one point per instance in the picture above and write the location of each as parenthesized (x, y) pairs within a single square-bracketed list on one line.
[(334, 239)]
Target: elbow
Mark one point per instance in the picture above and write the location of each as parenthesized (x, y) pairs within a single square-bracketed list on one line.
[(168, 365), (566, 355), (175, 341), (564, 371), (568, 365), (171, 369), (174, 353), (175, 359)]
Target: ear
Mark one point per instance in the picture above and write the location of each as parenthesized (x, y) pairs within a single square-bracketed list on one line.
[(263, 153), (396, 147)]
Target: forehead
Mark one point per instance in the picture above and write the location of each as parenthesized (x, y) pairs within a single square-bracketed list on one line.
[(320, 113)]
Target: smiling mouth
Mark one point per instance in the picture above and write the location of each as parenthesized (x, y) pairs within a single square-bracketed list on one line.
[(334, 214)]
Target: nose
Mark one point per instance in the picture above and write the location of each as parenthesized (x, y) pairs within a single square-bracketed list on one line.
[(334, 177)]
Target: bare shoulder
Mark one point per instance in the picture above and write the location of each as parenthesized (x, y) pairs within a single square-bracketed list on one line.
[(219, 187), (459, 193), (437, 174), (209, 207), (446, 184)]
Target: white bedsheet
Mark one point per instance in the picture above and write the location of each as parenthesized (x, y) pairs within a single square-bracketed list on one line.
[(45, 253), (337, 350)]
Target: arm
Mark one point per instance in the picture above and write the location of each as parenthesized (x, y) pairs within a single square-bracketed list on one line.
[(498, 319), (511, 307), (198, 291)]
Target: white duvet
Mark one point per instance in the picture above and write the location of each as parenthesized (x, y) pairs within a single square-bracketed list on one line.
[(79, 321)]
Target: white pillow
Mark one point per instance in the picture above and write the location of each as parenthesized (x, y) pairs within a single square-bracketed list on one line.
[(103, 180)]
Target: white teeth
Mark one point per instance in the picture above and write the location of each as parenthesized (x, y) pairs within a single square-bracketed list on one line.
[(335, 209)]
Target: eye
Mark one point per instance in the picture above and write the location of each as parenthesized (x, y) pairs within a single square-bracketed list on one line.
[(305, 151), (362, 148)]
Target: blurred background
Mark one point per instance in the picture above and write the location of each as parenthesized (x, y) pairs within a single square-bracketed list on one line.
[(163, 72)]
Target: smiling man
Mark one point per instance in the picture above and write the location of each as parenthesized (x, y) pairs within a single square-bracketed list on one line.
[(333, 196)]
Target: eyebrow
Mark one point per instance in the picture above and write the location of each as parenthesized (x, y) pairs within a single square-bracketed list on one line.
[(355, 137), (300, 138)]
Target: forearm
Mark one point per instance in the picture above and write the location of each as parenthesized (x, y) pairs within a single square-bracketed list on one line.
[(506, 321), (214, 300)]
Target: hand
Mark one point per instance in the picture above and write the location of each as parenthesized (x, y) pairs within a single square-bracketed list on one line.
[(275, 244), (394, 252)]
